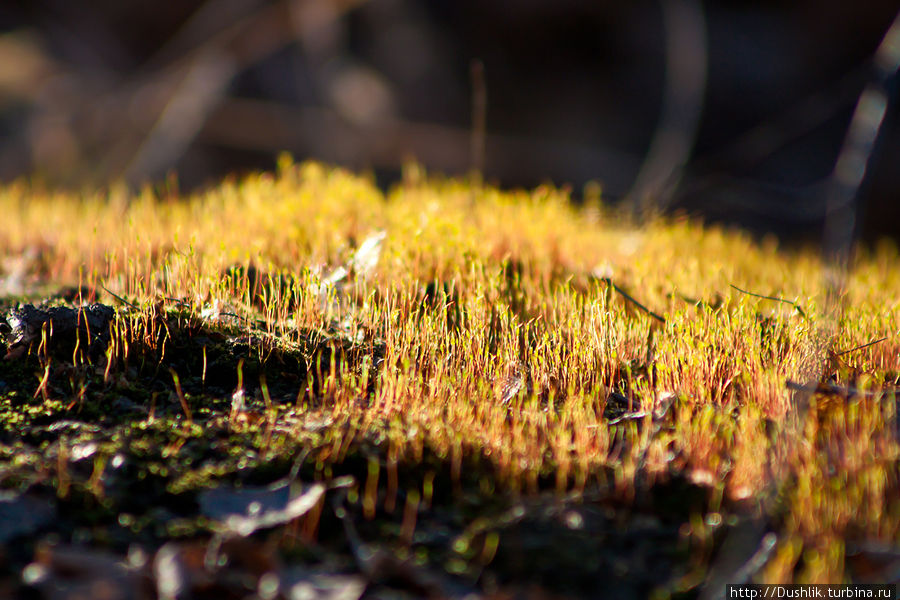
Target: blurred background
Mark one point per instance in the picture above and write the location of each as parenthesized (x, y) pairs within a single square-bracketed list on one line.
[(743, 104)]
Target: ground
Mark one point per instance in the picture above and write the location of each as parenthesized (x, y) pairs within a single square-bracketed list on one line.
[(294, 385)]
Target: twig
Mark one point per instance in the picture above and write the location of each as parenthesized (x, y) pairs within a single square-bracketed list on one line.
[(120, 298), (178, 301), (866, 345), (631, 416), (775, 298), (234, 315), (631, 299), (699, 303), (757, 561), (831, 389)]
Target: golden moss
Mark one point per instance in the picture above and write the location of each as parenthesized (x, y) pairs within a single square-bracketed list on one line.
[(525, 305)]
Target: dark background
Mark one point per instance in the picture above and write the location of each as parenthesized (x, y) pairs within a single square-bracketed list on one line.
[(95, 92)]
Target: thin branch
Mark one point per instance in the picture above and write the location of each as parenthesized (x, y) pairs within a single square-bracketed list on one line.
[(775, 298), (631, 299), (700, 303), (120, 298), (830, 389), (855, 348)]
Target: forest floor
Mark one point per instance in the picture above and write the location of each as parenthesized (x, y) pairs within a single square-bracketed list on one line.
[(296, 386)]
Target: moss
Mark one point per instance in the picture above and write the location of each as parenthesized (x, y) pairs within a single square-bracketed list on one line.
[(476, 365)]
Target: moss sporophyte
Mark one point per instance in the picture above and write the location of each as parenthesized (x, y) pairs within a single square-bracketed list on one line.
[(475, 386)]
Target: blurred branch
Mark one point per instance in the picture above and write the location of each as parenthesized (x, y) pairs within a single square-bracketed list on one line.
[(797, 120), (140, 127), (711, 175), (686, 66), (324, 133), (201, 88), (90, 126), (845, 197), (210, 68), (210, 19)]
